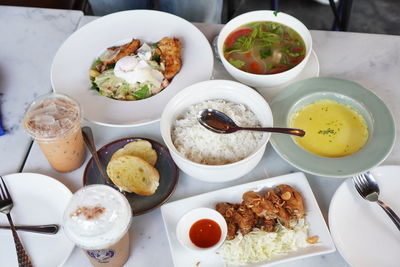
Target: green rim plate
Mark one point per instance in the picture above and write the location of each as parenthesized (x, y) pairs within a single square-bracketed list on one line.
[(378, 147)]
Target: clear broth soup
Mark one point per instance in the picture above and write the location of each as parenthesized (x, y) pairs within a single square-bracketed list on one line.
[(264, 47)]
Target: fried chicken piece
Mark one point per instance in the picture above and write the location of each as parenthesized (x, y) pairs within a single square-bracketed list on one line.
[(170, 55), (282, 214), (267, 225), (228, 211), (252, 200), (232, 230), (274, 198), (245, 218), (260, 206), (263, 212), (293, 200), (284, 217), (124, 50)]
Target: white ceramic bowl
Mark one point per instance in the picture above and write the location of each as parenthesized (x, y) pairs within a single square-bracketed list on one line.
[(216, 89), (265, 80), (187, 220)]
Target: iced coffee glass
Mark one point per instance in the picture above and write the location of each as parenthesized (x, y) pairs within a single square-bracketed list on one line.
[(54, 122), (97, 219)]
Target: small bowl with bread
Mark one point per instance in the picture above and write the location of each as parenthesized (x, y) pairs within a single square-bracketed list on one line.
[(142, 168)]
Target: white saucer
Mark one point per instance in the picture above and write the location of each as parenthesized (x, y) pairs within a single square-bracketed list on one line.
[(38, 199), (363, 233), (310, 70)]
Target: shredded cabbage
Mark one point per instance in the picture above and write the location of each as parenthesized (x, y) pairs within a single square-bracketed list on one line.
[(259, 245)]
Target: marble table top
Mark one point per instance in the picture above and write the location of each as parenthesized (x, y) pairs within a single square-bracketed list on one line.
[(350, 56), (29, 39)]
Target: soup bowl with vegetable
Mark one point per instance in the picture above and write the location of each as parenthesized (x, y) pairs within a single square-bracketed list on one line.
[(264, 48)]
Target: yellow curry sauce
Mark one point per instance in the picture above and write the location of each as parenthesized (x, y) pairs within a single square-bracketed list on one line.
[(332, 129)]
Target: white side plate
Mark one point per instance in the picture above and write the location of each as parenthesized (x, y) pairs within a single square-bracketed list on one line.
[(38, 199), (363, 233)]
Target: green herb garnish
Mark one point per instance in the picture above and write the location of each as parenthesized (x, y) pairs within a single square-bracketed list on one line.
[(96, 63), (244, 43), (110, 66), (142, 93), (156, 57), (275, 13), (94, 86), (265, 52), (327, 131), (236, 62), (270, 65), (284, 60)]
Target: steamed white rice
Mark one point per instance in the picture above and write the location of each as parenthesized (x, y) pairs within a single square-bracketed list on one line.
[(200, 145)]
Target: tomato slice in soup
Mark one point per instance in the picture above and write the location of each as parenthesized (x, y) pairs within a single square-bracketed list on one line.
[(255, 67), (231, 39)]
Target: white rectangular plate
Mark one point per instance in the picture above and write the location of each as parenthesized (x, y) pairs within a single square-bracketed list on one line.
[(183, 257)]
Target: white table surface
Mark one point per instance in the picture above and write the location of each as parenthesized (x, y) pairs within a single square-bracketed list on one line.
[(369, 59), (29, 39)]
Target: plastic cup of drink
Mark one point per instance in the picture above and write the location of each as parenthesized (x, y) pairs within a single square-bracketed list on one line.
[(97, 219), (54, 122)]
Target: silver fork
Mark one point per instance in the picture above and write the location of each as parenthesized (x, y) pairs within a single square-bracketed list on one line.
[(368, 188), (6, 204)]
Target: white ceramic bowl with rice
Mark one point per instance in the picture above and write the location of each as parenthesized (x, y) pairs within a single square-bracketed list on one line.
[(240, 152)]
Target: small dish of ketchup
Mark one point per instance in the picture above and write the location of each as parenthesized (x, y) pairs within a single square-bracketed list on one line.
[(201, 229)]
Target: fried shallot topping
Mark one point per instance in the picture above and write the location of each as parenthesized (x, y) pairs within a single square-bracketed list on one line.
[(257, 211)]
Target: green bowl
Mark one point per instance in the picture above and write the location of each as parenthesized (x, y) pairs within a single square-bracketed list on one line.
[(378, 117)]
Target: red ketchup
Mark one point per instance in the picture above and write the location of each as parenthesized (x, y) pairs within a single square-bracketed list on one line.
[(205, 233)]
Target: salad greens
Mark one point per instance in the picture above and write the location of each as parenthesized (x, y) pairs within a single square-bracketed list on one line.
[(104, 79), (142, 93)]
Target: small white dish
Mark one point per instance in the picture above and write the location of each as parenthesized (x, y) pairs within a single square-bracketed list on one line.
[(38, 199), (186, 222), (363, 233), (70, 67), (182, 257)]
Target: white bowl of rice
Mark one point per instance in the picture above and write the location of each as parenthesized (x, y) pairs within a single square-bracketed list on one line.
[(206, 155)]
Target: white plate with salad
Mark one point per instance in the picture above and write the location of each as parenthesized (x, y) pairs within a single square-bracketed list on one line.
[(259, 247), (124, 67)]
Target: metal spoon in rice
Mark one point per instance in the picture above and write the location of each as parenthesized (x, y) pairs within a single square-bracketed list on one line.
[(219, 122)]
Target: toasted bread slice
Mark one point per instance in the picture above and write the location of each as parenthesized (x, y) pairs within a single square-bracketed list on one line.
[(139, 148), (133, 174)]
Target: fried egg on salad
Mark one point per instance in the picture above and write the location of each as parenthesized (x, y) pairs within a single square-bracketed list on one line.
[(136, 70)]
